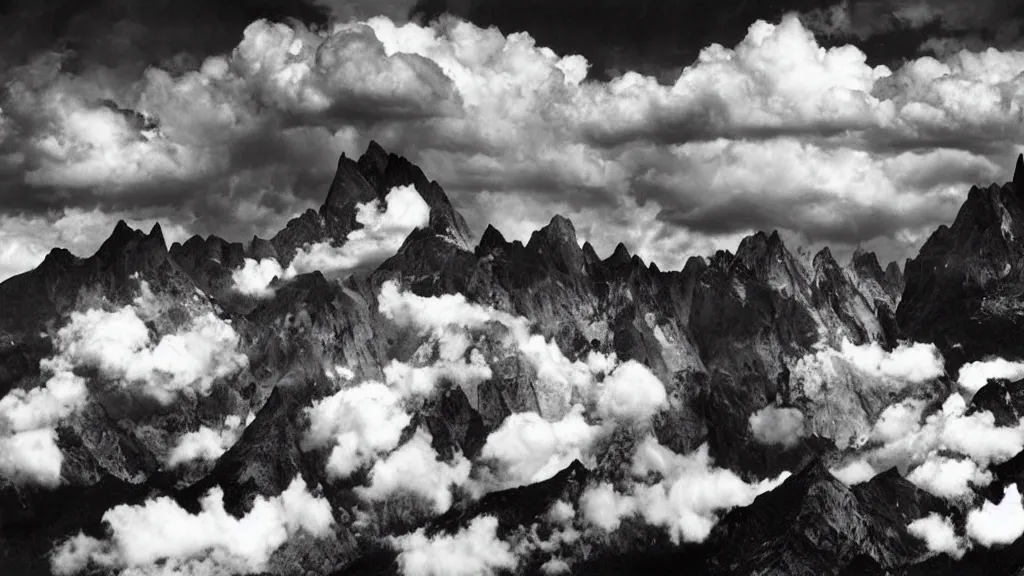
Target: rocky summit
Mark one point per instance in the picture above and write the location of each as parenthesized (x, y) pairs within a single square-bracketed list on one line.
[(324, 402)]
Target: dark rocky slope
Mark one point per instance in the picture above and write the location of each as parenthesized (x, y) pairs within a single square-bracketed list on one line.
[(963, 289)]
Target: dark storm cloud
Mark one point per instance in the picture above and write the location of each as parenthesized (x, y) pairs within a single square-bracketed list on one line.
[(657, 37), (136, 33), (938, 26), (815, 214), (660, 37)]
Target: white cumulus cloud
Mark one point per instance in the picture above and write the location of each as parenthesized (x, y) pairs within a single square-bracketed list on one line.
[(1001, 523), (381, 235), (159, 531), (359, 423), (938, 534), (527, 448), (416, 468), (974, 375), (631, 392), (474, 551), (774, 425)]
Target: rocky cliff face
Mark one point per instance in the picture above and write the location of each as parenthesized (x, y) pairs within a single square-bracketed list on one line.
[(962, 290), (722, 335)]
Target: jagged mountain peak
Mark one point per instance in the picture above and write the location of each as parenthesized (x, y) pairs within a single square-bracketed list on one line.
[(371, 178), (865, 261), (557, 244), (824, 260), (619, 256), (558, 232), (374, 160), (960, 289), (156, 233), (147, 247), (58, 258), (894, 273), (349, 186), (1018, 175), (491, 240), (763, 253)]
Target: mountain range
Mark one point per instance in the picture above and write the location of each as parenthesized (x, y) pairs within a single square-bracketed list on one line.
[(509, 407)]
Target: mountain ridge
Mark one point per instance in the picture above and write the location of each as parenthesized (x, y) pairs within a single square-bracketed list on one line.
[(724, 335)]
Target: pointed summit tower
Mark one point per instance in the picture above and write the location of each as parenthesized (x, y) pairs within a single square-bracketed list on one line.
[(370, 178), (1018, 176)]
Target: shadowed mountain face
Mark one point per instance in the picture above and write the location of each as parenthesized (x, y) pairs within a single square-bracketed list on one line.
[(730, 338), (963, 289)]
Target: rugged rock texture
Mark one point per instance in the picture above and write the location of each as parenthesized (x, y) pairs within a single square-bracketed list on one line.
[(1004, 399), (722, 334), (963, 289), (369, 178), (521, 506), (209, 261), (814, 524)]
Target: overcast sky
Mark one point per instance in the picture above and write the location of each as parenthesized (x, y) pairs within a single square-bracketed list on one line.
[(675, 126)]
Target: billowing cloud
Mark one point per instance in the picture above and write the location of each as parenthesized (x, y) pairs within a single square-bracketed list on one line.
[(448, 316), (854, 472), (358, 423), (254, 277), (949, 478), (349, 71), (995, 524), (527, 448), (22, 410), (383, 230), (974, 375), (28, 421), (975, 436), (686, 498), (913, 363), (605, 507), (31, 457), (938, 534), (161, 532), (504, 123), (410, 380), (207, 444), (833, 384), (906, 365), (473, 551), (631, 392), (691, 492), (774, 425), (898, 421), (119, 344), (120, 347), (944, 453), (415, 468)]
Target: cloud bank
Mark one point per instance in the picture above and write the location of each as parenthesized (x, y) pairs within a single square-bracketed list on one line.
[(974, 375), (474, 550), (160, 533), (359, 424), (671, 167), (686, 499)]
